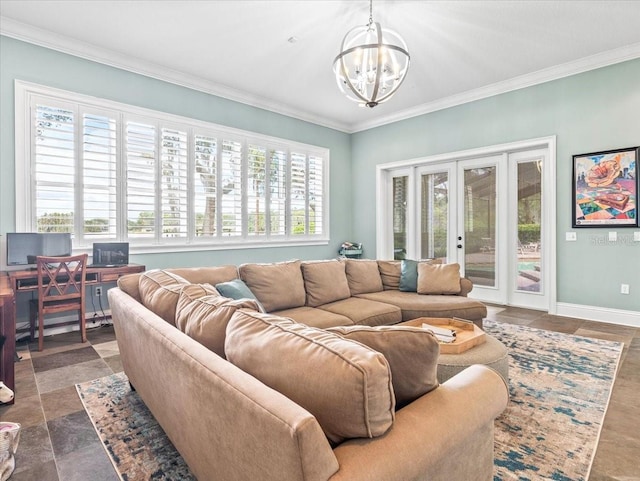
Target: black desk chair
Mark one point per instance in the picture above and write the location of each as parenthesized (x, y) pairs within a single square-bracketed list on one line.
[(61, 287)]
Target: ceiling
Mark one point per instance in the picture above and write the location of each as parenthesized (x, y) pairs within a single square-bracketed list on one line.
[(460, 50)]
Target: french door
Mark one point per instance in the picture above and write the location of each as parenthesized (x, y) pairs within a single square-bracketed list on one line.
[(485, 212)]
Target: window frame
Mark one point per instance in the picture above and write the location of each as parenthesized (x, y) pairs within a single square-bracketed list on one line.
[(27, 94)]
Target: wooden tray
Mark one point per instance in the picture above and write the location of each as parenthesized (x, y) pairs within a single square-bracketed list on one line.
[(468, 334)]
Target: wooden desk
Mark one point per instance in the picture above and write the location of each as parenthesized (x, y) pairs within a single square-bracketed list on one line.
[(14, 282), (8, 330)]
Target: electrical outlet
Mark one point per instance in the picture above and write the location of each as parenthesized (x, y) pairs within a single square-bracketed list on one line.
[(624, 288), (613, 236), (570, 236), (98, 291), (636, 236)]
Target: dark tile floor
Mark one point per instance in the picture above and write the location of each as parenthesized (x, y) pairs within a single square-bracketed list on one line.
[(58, 441)]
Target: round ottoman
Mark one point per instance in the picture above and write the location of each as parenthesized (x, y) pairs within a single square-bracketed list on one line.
[(492, 353)]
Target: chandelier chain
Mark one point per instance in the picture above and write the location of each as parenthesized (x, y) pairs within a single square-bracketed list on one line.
[(370, 12)]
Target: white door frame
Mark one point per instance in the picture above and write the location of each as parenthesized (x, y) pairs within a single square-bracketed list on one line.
[(384, 243)]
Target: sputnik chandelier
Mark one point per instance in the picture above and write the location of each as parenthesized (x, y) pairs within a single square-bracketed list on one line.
[(372, 63)]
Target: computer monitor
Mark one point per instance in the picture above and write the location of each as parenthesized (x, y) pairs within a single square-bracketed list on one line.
[(110, 254), (24, 247)]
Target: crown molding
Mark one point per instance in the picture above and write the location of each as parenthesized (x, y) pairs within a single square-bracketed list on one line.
[(61, 43), (64, 44), (584, 64)]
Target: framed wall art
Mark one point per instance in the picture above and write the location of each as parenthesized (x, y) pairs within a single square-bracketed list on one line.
[(605, 188)]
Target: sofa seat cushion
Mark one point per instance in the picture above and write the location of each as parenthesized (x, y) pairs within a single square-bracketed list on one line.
[(324, 281), (412, 354), (159, 291), (366, 312), (416, 305), (277, 285), (314, 317), (202, 314), (363, 276), (344, 384)]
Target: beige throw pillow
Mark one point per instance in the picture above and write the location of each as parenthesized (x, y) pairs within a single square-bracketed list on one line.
[(325, 282), (344, 384), (438, 278), (363, 276), (159, 292), (205, 317), (277, 286), (412, 354)]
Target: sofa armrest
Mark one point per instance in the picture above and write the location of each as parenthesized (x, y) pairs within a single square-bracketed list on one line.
[(445, 434), (466, 286)]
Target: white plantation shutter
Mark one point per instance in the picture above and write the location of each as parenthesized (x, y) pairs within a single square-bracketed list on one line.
[(141, 180), (278, 192), (205, 182), (316, 199), (103, 170), (257, 190), (174, 183), (53, 176), (99, 149), (231, 186)]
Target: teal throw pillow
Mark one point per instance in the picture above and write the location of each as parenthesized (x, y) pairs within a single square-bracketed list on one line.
[(237, 289), (408, 276)]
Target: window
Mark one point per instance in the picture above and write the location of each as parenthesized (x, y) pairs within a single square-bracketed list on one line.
[(102, 171)]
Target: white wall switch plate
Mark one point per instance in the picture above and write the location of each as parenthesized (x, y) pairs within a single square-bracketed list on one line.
[(624, 288), (571, 236), (613, 236), (636, 236)]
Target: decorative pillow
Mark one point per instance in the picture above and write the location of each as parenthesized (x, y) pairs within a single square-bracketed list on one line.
[(325, 282), (237, 289), (412, 354), (159, 292), (277, 286), (205, 317), (363, 276), (408, 276), (438, 278), (344, 384), (389, 274)]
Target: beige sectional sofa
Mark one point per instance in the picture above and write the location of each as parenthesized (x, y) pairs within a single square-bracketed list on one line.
[(332, 391)]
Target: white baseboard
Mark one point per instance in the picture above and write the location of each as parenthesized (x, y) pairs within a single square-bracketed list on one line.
[(600, 314)]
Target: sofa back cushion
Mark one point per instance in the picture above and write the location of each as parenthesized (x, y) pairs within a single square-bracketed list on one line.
[(363, 276), (389, 274), (344, 384), (438, 279), (412, 354), (159, 292), (203, 314), (277, 286), (325, 282), (207, 275)]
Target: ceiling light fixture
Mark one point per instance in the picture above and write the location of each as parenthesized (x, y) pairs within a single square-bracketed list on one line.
[(372, 63)]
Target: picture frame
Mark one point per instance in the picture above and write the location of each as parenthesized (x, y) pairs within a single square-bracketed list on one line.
[(605, 188)]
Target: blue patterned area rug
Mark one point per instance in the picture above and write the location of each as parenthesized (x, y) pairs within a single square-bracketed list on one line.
[(560, 387)]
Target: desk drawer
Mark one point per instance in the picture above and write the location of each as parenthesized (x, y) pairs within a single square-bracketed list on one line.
[(111, 276)]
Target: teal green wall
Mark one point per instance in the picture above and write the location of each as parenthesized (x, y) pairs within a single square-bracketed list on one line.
[(589, 112), (24, 61)]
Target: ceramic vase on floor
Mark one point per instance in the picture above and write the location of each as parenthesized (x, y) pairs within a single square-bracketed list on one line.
[(9, 438)]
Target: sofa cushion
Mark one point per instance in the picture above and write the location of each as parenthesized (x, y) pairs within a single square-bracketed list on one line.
[(344, 384), (277, 285), (204, 317), (389, 274), (438, 279), (159, 292), (315, 317), (412, 354), (207, 275), (363, 276), (237, 289), (324, 281), (365, 312)]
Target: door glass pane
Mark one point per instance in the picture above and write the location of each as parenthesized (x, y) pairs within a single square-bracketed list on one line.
[(400, 185), (528, 264), (480, 225), (434, 204)]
